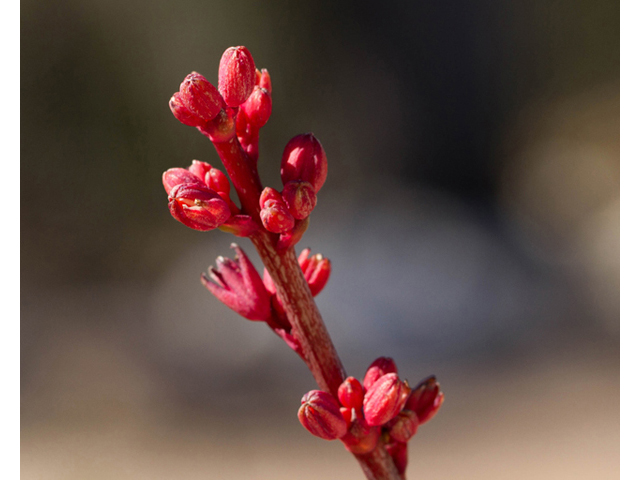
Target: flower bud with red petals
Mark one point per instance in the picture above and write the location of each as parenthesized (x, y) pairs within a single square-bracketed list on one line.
[(258, 106), (316, 269), (300, 198), (182, 113), (197, 206), (213, 178), (351, 393), (178, 176), (200, 97), (384, 399), (304, 159), (275, 217), (379, 367), (269, 194), (403, 426), (236, 75), (320, 414), (425, 399)]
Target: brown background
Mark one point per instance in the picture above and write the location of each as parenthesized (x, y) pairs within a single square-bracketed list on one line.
[(471, 213)]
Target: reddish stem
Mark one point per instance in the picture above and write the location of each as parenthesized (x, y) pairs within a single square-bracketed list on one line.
[(302, 311)]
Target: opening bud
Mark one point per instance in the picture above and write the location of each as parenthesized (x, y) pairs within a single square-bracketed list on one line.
[(275, 217), (200, 97), (236, 75), (238, 285), (198, 207), (300, 198), (404, 426), (385, 399), (316, 269), (351, 393), (320, 414), (257, 108), (304, 159), (380, 366), (177, 176), (425, 400)]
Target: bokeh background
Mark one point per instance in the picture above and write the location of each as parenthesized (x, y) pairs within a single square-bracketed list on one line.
[(471, 213)]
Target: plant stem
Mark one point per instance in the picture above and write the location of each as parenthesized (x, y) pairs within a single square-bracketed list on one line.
[(302, 311)]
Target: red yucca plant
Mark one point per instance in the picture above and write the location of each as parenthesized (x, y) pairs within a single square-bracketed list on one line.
[(374, 419)]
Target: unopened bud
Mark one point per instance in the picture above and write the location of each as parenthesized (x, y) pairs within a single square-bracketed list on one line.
[(293, 236), (361, 438), (198, 207), (380, 366), (275, 217), (350, 393), (213, 178), (300, 198), (269, 194), (304, 159), (178, 176), (425, 399), (403, 426), (182, 113), (385, 399), (200, 97), (399, 455), (257, 108), (320, 414), (236, 75)]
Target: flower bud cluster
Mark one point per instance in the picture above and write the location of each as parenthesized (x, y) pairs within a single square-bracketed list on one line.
[(199, 198), (381, 408)]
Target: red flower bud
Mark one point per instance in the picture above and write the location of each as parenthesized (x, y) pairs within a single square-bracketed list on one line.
[(178, 176), (300, 198), (236, 75), (404, 426), (182, 113), (257, 108), (269, 194), (197, 206), (200, 97), (213, 178), (350, 393), (385, 399), (238, 285), (320, 414), (360, 438), (316, 269), (293, 236), (425, 399), (378, 368), (240, 226), (398, 453), (264, 80), (304, 159), (275, 217)]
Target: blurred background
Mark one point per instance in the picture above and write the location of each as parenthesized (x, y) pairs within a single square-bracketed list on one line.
[(471, 214)]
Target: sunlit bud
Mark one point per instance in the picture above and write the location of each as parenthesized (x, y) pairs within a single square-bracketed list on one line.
[(300, 198), (384, 399), (257, 108), (379, 367), (425, 399), (399, 455), (320, 414), (197, 206), (403, 426), (222, 128), (182, 113), (269, 194), (200, 97), (360, 438), (275, 217), (240, 226), (293, 236), (213, 178), (178, 176), (304, 159), (350, 393), (236, 75), (238, 285), (316, 269), (264, 80)]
